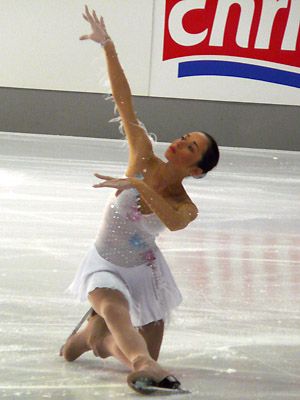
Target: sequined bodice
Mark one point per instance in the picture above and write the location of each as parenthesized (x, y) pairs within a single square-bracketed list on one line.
[(126, 236)]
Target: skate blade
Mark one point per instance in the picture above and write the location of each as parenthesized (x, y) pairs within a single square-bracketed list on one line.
[(155, 390)]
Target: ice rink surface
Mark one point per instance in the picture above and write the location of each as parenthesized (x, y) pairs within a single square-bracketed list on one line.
[(237, 333)]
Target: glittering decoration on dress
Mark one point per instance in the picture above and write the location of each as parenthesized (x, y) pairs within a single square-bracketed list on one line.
[(156, 281), (136, 241), (149, 256), (134, 214), (126, 237)]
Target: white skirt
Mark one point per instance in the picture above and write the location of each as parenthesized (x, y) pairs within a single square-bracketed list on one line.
[(150, 290)]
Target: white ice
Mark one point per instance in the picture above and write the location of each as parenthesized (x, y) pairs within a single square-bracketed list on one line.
[(237, 333)]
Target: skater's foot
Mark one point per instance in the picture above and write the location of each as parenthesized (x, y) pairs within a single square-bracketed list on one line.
[(148, 374), (90, 338), (147, 364), (74, 347)]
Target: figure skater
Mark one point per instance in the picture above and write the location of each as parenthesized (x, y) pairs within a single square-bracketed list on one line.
[(124, 276)]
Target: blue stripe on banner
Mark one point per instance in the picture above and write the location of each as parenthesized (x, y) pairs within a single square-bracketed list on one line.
[(239, 70)]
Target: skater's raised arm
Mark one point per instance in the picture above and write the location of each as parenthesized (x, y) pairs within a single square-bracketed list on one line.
[(139, 143)]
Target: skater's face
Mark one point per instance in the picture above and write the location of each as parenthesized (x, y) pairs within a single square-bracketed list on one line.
[(187, 150)]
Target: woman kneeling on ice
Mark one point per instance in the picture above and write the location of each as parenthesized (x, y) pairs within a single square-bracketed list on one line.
[(124, 276)]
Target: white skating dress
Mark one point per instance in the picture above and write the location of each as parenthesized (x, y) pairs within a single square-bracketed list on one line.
[(125, 257)]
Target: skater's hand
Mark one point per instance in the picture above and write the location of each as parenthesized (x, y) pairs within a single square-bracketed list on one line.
[(117, 183), (99, 33)]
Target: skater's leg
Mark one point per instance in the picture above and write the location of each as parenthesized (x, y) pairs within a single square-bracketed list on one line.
[(102, 343), (106, 346), (113, 307), (153, 335), (80, 342), (96, 337)]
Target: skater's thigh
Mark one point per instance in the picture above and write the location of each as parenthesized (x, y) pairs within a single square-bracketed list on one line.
[(153, 334), (109, 302)]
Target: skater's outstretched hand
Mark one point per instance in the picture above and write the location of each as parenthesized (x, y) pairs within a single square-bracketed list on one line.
[(99, 33), (117, 183)]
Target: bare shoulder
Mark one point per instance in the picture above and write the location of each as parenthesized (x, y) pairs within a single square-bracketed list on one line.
[(186, 210), (145, 165), (183, 200)]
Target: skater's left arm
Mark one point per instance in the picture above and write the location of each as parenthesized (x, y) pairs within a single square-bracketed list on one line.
[(175, 217)]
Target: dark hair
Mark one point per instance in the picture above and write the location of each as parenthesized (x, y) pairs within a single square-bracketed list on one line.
[(211, 157)]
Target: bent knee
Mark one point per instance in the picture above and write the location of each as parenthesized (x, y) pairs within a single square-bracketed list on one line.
[(99, 350), (109, 302), (112, 312)]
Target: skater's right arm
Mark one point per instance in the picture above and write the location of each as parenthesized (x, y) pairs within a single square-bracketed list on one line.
[(140, 146)]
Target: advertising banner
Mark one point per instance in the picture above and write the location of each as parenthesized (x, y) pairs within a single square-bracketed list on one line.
[(244, 50)]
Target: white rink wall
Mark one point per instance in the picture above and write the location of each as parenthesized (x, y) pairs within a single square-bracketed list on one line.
[(44, 51)]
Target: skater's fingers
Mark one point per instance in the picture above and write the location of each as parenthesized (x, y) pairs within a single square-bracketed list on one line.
[(84, 37), (105, 184), (103, 24), (88, 14), (85, 17), (95, 17), (105, 177)]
